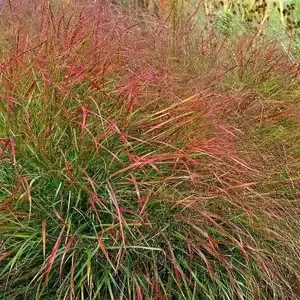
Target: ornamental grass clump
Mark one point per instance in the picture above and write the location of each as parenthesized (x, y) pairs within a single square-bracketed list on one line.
[(136, 166)]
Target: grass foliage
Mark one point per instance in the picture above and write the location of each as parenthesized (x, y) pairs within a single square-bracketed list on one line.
[(141, 163)]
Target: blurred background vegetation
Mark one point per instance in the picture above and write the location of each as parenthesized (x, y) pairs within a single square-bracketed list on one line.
[(279, 19)]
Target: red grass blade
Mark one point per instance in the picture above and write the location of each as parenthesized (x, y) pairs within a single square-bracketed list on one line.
[(44, 237), (52, 256)]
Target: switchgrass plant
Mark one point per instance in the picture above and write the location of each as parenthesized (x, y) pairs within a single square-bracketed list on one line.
[(136, 164)]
